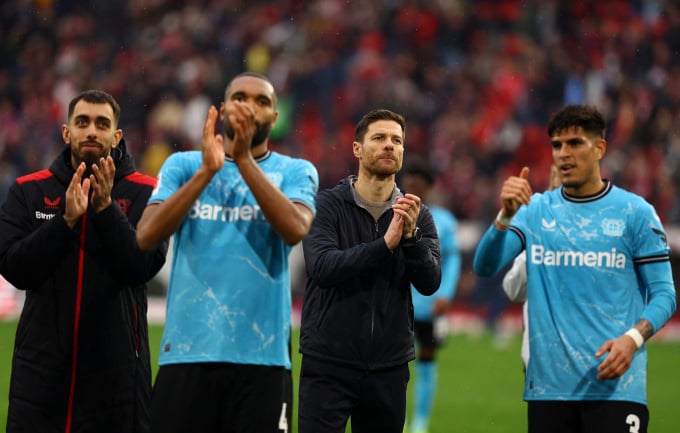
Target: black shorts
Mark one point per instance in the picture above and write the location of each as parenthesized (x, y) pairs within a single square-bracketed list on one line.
[(426, 336), (222, 397), (330, 394), (587, 417)]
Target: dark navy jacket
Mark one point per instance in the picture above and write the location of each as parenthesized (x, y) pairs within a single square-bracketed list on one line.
[(357, 308), (81, 355)]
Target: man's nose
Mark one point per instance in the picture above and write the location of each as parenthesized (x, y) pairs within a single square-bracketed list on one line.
[(91, 130), (563, 150)]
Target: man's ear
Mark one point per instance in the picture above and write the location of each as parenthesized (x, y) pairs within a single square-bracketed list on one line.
[(65, 134), (117, 136), (356, 148), (601, 146), (276, 117)]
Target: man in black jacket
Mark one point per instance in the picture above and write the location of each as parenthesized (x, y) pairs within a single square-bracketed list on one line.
[(367, 244), (67, 237)]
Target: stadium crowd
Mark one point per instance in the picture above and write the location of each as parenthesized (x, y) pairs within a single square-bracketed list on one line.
[(476, 80)]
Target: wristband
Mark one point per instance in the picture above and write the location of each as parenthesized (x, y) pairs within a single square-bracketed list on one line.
[(502, 219), (636, 336)]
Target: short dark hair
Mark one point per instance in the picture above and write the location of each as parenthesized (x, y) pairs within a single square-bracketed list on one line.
[(95, 97), (417, 166), (254, 75), (587, 117), (374, 116)]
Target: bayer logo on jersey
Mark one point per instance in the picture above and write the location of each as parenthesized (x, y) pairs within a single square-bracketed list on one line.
[(613, 227)]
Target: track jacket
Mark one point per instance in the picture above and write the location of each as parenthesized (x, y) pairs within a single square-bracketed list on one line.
[(81, 355), (357, 308)]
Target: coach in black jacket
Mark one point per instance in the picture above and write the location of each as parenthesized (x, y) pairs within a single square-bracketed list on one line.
[(67, 237), (367, 244)]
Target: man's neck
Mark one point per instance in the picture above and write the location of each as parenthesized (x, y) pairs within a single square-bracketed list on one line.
[(374, 189), (256, 151)]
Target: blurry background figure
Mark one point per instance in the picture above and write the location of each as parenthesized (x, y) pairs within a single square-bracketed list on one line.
[(431, 323), (515, 280)]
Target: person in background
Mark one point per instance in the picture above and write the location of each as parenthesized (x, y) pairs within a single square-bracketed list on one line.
[(367, 245), (235, 209), (67, 238), (429, 312), (599, 284), (515, 280)]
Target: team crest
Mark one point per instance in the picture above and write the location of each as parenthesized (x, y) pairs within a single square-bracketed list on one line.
[(124, 204), (613, 227)]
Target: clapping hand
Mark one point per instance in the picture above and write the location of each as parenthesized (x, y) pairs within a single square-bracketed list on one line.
[(76, 196), (101, 181), (213, 147), (242, 119)]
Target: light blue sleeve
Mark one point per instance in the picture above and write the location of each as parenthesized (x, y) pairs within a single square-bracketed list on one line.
[(654, 268), (303, 183), (495, 250), (662, 301), (175, 172)]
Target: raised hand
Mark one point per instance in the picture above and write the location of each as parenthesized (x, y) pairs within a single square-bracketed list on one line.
[(408, 207), (101, 181), (76, 196), (516, 191), (394, 231), (242, 119), (213, 144)]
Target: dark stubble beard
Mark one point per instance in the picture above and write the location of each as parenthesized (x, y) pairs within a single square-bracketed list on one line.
[(89, 158), (262, 131)]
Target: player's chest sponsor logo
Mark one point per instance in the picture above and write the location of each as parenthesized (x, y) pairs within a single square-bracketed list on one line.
[(43, 215), (213, 212), (569, 258)]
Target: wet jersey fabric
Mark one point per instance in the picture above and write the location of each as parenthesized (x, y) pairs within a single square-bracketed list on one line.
[(583, 289), (229, 297)]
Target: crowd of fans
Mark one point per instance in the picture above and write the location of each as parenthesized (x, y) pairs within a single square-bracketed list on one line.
[(476, 81)]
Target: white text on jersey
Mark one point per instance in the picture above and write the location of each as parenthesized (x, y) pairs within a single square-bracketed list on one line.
[(43, 216), (215, 212), (600, 259)]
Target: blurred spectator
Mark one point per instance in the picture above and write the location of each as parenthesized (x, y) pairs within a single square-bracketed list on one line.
[(475, 79)]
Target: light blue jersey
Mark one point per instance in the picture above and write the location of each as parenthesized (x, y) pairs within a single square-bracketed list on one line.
[(450, 258), (229, 296), (583, 289)]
